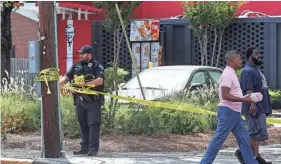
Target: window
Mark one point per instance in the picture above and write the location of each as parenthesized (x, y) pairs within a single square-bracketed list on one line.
[(198, 78), (160, 78), (215, 75)]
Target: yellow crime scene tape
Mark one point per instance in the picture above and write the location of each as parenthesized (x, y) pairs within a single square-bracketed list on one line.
[(158, 104), (49, 74), (53, 75), (143, 102)]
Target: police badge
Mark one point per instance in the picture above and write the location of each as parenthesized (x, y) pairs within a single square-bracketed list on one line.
[(101, 67), (90, 65)]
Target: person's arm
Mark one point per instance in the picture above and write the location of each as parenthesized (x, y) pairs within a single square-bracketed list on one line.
[(247, 84), (226, 83), (227, 96), (253, 107), (68, 76), (98, 81), (99, 76)]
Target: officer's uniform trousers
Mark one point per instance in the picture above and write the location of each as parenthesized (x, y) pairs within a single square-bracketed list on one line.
[(89, 118)]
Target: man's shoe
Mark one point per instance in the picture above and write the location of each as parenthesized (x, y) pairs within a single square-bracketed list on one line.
[(239, 156), (92, 153), (261, 160), (82, 151)]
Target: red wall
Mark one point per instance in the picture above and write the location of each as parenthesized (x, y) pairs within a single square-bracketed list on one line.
[(158, 9), (272, 8), (167, 9), (83, 36)]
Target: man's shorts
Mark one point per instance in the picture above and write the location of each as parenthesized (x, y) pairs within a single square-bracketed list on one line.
[(257, 127)]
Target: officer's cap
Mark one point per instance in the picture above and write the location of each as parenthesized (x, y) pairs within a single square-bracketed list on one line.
[(85, 49)]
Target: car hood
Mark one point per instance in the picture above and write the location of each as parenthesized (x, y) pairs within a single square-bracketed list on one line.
[(150, 94)]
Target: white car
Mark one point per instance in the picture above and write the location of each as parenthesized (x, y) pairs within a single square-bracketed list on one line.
[(165, 81)]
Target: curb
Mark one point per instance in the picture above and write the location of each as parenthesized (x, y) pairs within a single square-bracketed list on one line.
[(16, 161), (276, 115)]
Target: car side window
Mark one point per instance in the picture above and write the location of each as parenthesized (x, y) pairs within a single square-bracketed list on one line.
[(199, 78), (215, 75)]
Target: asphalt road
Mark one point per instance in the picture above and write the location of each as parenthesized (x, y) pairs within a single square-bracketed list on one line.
[(272, 153)]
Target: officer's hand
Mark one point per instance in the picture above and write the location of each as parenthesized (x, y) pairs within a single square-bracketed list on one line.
[(61, 83), (81, 84)]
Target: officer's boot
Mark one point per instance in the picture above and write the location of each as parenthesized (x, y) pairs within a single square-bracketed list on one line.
[(92, 153), (81, 151), (84, 149)]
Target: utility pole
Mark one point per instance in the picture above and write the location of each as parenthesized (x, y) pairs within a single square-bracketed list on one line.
[(50, 102)]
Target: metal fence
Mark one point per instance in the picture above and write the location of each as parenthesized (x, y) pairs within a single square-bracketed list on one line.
[(19, 72)]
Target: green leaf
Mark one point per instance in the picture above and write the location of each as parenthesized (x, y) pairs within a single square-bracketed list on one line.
[(213, 13), (7, 4), (111, 17)]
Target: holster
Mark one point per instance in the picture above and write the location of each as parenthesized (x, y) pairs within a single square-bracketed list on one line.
[(89, 98), (74, 99)]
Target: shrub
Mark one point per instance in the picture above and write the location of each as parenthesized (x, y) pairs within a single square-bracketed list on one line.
[(21, 111), (121, 74), (275, 95), (275, 98), (138, 121), (69, 122), (24, 115), (135, 118)]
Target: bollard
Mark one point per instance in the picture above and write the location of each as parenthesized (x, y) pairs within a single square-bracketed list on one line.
[(150, 65)]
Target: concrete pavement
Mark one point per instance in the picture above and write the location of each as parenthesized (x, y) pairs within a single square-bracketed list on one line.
[(272, 153)]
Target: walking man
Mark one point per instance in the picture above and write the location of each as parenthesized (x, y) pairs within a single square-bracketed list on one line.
[(253, 80), (88, 107), (229, 112)]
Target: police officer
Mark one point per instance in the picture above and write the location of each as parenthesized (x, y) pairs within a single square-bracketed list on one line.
[(88, 107)]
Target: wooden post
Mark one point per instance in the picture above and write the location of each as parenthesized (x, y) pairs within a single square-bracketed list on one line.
[(49, 101)]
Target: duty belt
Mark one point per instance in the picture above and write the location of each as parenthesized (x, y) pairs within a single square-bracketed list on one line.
[(89, 98)]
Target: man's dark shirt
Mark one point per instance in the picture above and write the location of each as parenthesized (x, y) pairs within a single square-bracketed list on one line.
[(84, 68), (251, 79)]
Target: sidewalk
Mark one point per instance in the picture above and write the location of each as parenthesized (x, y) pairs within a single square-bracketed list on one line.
[(272, 153)]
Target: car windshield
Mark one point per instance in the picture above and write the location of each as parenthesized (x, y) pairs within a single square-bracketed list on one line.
[(168, 79)]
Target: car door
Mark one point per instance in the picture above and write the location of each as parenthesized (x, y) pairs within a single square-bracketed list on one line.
[(215, 76), (198, 81)]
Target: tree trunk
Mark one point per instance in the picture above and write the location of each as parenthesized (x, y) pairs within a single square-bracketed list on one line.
[(6, 41), (117, 44), (219, 53), (214, 46), (115, 64), (112, 104), (206, 45), (201, 50), (119, 41)]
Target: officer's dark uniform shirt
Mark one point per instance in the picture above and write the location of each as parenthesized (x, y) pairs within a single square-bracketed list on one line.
[(87, 68)]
